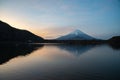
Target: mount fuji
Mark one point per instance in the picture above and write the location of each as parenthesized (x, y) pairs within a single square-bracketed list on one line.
[(76, 35)]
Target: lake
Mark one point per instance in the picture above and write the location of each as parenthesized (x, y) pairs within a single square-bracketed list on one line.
[(60, 62)]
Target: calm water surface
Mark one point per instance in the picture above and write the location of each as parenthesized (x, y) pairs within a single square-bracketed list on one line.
[(62, 62)]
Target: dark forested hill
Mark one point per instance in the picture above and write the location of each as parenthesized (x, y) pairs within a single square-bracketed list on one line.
[(10, 34), (115, 42)]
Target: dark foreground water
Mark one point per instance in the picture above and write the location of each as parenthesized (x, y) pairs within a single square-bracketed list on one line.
[(60, 62)]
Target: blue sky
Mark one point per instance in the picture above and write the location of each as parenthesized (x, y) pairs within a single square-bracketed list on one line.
[(53, 18)]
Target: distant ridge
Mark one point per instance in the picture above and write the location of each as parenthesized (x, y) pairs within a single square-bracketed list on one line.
[(10, 34), (76, 35)]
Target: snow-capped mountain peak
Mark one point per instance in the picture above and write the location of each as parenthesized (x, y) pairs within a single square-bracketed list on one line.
[(77, 32), (76, 35)]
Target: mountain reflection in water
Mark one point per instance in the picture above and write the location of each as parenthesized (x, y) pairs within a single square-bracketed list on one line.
[(76, 49), (61, 62), (9, 51)]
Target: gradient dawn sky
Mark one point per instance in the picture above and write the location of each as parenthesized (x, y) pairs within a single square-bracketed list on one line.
[(53, 18)]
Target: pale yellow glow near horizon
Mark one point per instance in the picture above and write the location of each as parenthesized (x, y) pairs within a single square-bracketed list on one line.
[(21, 25), (14, 22), (46, 33), (44, 30)]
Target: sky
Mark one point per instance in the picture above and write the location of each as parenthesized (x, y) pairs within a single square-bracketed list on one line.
[(53, 18)]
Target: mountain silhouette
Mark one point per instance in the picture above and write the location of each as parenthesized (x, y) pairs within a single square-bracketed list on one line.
[(9, 51), (76, 49), (76, 35), (114, 42), (10, 34)]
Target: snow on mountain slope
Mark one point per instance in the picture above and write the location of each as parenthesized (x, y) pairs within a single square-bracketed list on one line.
[(76, 35)]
